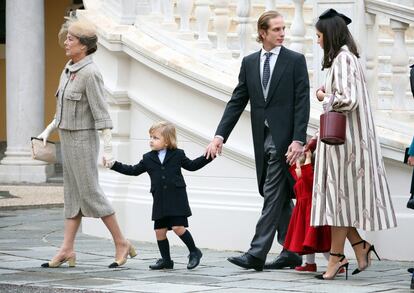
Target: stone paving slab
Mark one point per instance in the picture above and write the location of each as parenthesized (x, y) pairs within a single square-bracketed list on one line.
[(13, 196), (29, 237)]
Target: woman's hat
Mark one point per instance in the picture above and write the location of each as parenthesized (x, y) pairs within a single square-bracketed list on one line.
[(332, 12)]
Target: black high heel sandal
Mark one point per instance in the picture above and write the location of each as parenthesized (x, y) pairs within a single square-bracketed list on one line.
[(345, 266), (371, 248)]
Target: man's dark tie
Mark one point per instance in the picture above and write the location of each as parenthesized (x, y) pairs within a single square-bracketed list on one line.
[(266, 70)]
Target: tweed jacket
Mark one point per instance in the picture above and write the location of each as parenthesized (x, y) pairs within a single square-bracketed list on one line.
[(80, 97), (168, 187)]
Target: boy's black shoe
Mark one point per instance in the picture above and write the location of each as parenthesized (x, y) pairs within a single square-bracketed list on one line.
[(162, 264), (194, 259)]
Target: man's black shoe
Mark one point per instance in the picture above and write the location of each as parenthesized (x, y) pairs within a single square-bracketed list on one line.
[(194, 259), (286, 259), (247, 261), (412, 282), (162, 264)]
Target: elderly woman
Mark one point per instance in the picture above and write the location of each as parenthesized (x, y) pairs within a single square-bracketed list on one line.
[(350, 185), (81, 110)]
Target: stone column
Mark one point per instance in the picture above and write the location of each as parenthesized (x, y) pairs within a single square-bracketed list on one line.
[(399, 62), (270, 5), (298, 29), (244, 28), (371, 59), (25, 71)]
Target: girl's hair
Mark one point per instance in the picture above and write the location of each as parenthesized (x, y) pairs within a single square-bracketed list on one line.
[(263, 22), (167, 131), (335, 34), (301, 159)]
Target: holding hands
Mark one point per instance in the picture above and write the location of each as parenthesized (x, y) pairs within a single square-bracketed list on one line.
[(295, 150), (215, 147), (108, 159)]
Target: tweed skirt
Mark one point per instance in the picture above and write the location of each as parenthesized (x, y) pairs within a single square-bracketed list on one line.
[(82, 193)]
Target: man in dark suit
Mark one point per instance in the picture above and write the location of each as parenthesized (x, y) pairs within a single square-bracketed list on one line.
[(275, 81)]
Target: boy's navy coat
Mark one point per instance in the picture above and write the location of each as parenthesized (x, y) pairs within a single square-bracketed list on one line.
[(167, 182)]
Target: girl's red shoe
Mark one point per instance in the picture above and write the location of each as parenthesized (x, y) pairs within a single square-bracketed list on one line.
[(312, 268), (307, 268)]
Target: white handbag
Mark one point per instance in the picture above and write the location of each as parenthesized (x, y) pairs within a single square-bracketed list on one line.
[(46, 153)]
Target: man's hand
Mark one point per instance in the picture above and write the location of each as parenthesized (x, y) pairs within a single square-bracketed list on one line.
[(410, 160), (214, 148), (294, 151)]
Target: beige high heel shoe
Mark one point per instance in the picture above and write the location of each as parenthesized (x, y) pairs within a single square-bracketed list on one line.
[(71, 260), (119, 262)]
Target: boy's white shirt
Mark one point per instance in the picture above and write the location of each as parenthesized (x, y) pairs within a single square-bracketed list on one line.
[(161, 155)]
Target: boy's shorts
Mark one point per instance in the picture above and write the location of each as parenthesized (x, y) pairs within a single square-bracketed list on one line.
[(169, 222)]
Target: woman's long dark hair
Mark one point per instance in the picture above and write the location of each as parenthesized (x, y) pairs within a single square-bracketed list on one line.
[(335, 35)]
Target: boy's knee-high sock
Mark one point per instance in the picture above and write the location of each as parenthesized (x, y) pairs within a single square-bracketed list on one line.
[(164, 247), (188, 240)]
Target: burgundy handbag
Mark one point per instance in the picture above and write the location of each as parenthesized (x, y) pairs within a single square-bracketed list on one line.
[(332, 126)]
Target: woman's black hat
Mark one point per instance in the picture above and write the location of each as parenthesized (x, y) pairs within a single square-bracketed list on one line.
[(332, 12)]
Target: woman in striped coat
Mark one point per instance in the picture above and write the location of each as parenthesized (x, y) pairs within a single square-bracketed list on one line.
[(350, 184)]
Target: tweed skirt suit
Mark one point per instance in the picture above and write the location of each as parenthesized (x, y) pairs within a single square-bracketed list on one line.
[(350, 184), (81, 110)]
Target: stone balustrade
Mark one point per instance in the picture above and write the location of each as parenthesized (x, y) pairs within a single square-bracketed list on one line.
[(220, 33)]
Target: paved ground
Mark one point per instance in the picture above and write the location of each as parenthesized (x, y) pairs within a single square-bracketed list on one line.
[(29, 237), (29, 196)]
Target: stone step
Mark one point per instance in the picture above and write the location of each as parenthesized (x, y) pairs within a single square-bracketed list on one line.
[(56, 178)]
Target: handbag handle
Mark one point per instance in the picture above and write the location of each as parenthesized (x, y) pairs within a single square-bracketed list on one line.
[(33, 137), (328, 107)]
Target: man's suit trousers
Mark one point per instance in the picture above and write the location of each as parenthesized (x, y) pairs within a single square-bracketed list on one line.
[(277, 204)]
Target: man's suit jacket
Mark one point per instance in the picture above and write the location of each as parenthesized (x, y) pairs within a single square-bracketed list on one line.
[(286, 108), (167, 181)]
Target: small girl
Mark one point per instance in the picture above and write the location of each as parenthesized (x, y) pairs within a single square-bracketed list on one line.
[(301, 237), (170, 203)]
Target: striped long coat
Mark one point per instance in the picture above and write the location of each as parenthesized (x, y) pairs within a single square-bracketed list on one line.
[(350, 183)]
